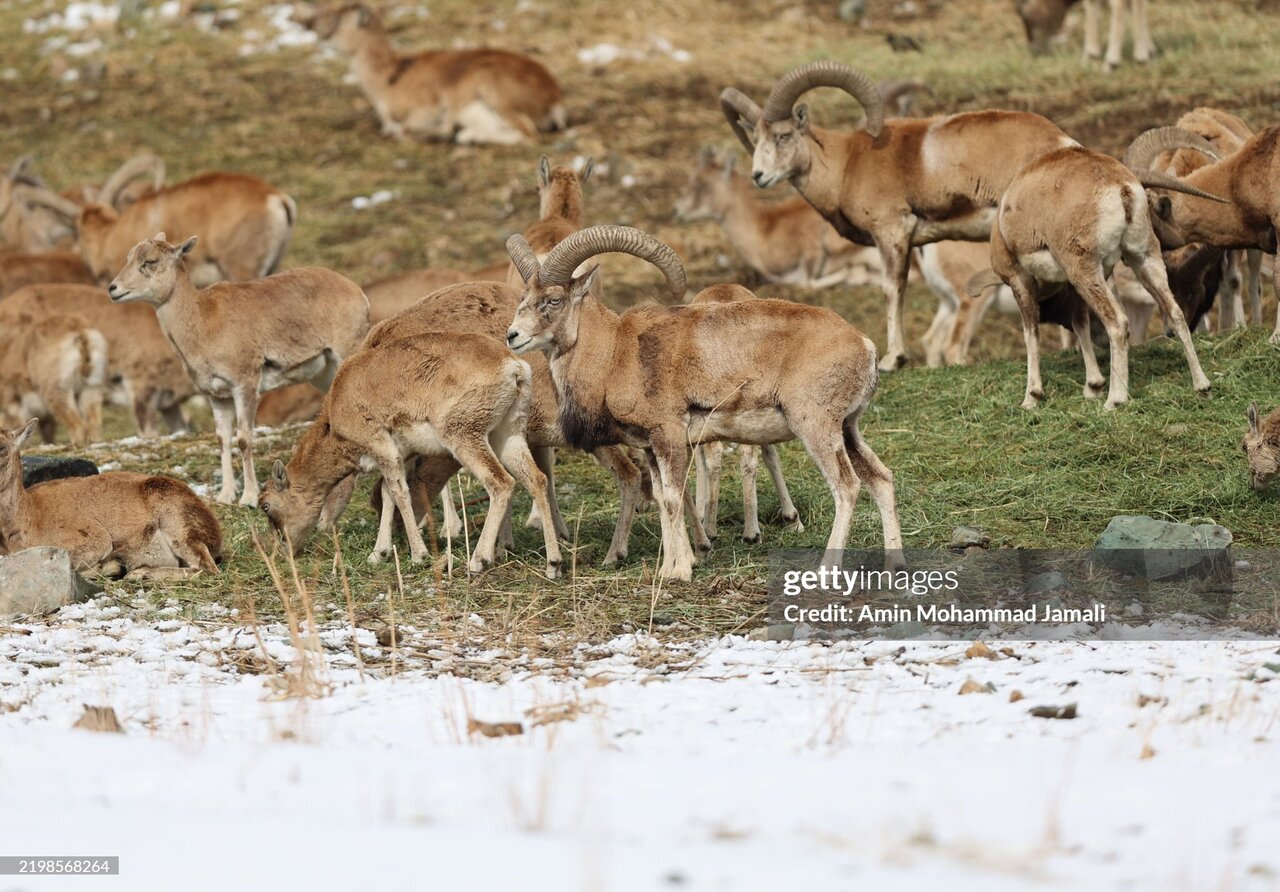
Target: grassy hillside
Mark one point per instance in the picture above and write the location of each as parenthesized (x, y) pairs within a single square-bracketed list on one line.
[(962, 450)]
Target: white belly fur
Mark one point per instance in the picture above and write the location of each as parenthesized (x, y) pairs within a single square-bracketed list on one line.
[(759, 427)]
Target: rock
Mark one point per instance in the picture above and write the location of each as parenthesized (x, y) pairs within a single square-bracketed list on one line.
[(774, 632), (964, 537), (1161, 550), (900, 631), (1042, 583), (39, 468), (40, 580)]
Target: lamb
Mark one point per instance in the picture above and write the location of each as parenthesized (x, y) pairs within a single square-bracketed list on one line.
[(895, 184), (486, 308), (112, 523), (453, 395), (55, 370), (1042, 19), (1261, 447), (1249, 180), (559, 210), (1070, 216), (787, 242), (467, 96), (663, 378), (145, 373), (239, 339)]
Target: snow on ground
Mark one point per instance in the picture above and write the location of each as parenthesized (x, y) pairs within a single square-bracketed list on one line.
[(724, 764)]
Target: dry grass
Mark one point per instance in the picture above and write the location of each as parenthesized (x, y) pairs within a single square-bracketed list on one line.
[(962, 450)]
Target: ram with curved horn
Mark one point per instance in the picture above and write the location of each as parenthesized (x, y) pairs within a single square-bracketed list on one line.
[(895, 183), (1249, 179), (1069, 217), (667, 378), (32, 216), (139, 176)]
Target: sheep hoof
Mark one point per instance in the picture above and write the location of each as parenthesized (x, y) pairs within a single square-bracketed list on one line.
[(751, 540)]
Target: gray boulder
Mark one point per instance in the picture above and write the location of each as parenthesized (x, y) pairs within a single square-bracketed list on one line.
[(40, 580), (963, 537), (1162, 550), (41, 468)]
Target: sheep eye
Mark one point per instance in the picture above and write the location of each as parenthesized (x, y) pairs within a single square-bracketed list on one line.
[(148, 265), (266, 507)]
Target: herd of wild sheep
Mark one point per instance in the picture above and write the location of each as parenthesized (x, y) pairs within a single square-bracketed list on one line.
[(434, 371)]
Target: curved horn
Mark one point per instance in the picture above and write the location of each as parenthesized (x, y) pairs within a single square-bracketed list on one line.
[(1143, 150), (19, 167), (523, 257), (893, 92), (135, 167), (981, 281), (584, 244), (798, 81), (47, 198), (1153, 179), (737, 107)]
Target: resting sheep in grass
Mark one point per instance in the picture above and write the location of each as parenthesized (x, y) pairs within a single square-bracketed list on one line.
[(1261, 446)]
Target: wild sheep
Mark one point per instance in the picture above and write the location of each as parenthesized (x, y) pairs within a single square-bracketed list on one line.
[(145, 372), (239, 339), (467, 96), (895, 184), (33, 217), (1261, 447), (55, 370), (1042, 20), (1249, 180), (245, 224), (487, 308), (559, 210), (456, 395), (394, 294), (1070, 216), (112, 523), (787, 242), (20, 268), (708, 458), (663, 378), (137, 177)]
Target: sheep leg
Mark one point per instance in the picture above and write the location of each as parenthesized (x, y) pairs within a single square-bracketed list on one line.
[(91, 410), (336, 503), (708, 459), (773, 464), (935, 338), (1092, 33), (545, 456), (1274, 340), (1091, 284), (1024, 292), (246, 408), (1253, 261), (1115, 40), (969, 316), (513, 452), (895, 255), (1230, 296), (224, 416), (879, 480), (628, 480), (386, 522), (1151, 272), (479, 459), (1082, 325), (669, 463), (749, 462), (144, 410), (395, 493), (1143, 46), (826, 445)]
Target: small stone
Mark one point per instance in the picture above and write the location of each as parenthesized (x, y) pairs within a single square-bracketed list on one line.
[(1134, 609), (964, 537), (774, 632), (1177, 429), (903, 630), (40, 580), (1051, 581)]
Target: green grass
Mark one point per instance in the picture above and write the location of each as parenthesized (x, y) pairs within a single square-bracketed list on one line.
[(962, 450)]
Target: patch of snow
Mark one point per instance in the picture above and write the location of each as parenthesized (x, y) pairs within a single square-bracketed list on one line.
[(363, 202)]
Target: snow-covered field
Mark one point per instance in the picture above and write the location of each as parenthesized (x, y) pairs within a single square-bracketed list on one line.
[(726, 764)]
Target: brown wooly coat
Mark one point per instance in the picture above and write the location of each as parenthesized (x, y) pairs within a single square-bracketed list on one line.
[(244, 224), (113, 522), (56, 369), (137, 351), (19, 269), (394, 294)]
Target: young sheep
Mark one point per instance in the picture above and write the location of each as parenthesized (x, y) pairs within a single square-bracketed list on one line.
[(559, 210), (145, 373), (1261, 447), (895, 184), (663, 378), (239, 339), (1070, 216), (468, 96), (55, 370), (785, 242), (112, 523), (447, 394)]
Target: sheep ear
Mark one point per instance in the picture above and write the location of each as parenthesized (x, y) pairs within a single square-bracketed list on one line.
[(584, 283), (185, 247), (160, 237), (1164, 207), (800, 115), (1252, 415), (25, 433), (279, 475), (544, 172), (586, 171), (363, 16)]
